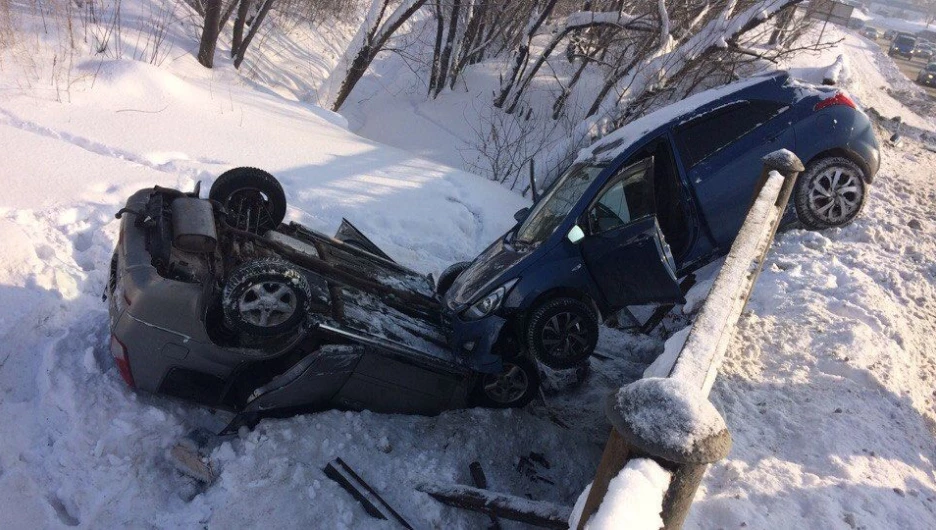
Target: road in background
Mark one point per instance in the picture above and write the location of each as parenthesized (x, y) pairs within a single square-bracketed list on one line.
[(909, 68)]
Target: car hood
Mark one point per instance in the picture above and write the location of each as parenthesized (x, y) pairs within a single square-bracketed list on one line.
[(485, 273)]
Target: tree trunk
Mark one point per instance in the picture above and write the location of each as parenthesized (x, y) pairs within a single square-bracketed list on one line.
[(437, 48), (226, 15), (209, 38), (355, 73), (447, 50), (372, 43), (522, 53), (243, 8), (254, 28), (467, 44)]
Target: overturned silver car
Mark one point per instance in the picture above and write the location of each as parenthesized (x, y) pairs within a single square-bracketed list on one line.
[(218, 301)]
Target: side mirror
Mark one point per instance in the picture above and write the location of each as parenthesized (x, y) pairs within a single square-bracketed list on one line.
[(521, 214), (576, 234)]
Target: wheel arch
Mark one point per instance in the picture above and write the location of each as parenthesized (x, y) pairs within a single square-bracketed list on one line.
[(847, 154), (564, 292)]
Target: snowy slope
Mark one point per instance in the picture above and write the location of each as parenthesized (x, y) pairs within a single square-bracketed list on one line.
[(828, 389), (78, 448), (841, 320)]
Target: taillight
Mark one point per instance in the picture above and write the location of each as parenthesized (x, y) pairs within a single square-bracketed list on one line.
[(838, 99), (119, 351)]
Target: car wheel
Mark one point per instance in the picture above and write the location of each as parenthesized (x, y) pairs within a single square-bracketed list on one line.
[(562, 333), (513, 387), (830, 193), (253, 198), (448, 276), (266, 297)]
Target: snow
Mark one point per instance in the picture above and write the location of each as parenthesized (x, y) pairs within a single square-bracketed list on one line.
[(827, 386), (79, 448), (668, 413), (663, 365), (872, 77), (634, 498), (837, 73), (611, 145)]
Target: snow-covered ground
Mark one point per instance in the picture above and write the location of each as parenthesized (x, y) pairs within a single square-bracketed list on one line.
[(827, 389)]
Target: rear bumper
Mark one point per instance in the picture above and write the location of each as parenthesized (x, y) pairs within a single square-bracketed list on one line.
[(160, 322)]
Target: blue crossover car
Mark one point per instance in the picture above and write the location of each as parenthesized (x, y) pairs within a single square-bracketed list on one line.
[(647, 205)]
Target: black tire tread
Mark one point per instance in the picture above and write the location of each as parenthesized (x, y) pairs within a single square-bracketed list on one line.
[(250, 177), (448, 276)]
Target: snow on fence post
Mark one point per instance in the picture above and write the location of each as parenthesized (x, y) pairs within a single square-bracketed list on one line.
[(670, 421), (836, 73)]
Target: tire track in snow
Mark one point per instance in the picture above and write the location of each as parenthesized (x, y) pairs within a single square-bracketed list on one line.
[(92, 146)]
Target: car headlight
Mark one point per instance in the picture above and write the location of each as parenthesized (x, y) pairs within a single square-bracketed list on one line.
[(490, 303)]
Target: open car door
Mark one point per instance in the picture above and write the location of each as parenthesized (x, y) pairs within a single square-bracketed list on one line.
[(623, 248)]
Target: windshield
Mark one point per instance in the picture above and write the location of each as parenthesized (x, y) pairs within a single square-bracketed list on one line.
[(549, 212), (931, 67), (904, 41)]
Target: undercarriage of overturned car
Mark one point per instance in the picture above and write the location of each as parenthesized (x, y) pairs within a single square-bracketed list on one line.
[(218, 301)]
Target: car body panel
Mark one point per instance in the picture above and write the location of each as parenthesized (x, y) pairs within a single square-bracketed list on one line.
[(378, 356), (714, 195), (903, 46)]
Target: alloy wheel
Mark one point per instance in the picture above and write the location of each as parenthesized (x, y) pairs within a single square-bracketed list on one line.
[(508, 386), (835, 194), (565, 335), (267, 304)]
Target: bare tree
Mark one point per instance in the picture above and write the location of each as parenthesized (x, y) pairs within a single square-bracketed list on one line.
[(372, 37), (210, 31), (241, 49), (538, 16)]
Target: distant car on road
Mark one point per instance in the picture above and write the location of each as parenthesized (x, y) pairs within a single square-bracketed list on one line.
[(927, 76), (647, 205), (871, 33), (902, 46), (890, 34), (923, 50)]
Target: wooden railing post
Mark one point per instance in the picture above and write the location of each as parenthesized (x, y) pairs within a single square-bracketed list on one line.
[(701, 362)]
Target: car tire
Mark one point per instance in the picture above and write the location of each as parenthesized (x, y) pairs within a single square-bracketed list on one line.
[(562, 332), (253, 198), (514, 387), (830, 193), (266, 297), (448, 276)]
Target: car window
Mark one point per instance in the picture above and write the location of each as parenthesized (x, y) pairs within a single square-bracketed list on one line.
[(707, 135), (549, 212), (627, 199), (931, 67), (904, 41)]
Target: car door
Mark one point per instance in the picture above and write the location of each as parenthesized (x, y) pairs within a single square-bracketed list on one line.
[(624, 249), (721, 153)]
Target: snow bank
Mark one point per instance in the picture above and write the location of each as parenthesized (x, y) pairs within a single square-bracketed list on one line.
[(79, 448)]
